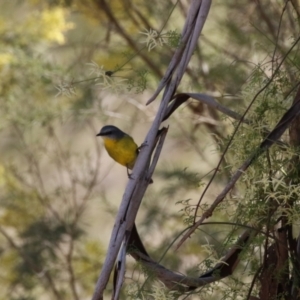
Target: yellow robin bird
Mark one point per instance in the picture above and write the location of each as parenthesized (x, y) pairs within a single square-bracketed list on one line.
[(120, 146)]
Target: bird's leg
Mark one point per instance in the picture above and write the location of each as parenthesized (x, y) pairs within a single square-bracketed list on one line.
[(128, 174)]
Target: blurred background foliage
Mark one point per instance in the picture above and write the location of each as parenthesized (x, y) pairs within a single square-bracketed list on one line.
[(69, 67)]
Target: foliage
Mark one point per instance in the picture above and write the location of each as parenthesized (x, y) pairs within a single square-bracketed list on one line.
[(68, 67)]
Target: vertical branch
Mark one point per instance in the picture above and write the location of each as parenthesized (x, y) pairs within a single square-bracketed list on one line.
[(136, 187), (69, 258)]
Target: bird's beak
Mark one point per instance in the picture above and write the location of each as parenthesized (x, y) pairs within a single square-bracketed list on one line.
[(99, 134)]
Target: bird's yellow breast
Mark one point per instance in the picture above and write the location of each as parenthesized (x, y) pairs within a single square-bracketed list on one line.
[(124, 151)]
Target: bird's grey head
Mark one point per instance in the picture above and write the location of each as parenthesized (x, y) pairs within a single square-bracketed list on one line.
[(111, 131)]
